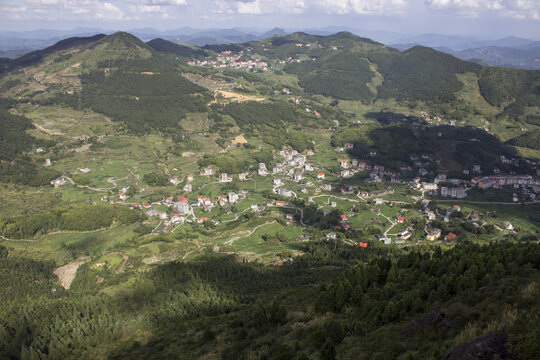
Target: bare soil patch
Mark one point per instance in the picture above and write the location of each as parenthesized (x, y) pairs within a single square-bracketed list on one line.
[(67, 273)]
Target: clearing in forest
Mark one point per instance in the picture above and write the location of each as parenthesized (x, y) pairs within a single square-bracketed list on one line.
[(67, 273)]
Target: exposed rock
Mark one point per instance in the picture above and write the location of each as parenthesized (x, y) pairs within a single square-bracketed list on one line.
[(490, 347)]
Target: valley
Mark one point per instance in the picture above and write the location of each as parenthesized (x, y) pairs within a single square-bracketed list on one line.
[(183, 201)]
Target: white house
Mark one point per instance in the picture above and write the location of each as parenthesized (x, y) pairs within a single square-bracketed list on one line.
[(233, 197), (188, 188), (225, 178), (208, 171), (58, 182), (429, 186), (262, 169), (385, 240), (331, 236), (284, 192), (182, 207)]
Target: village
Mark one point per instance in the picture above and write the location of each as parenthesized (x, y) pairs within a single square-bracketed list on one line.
[(227, 59), (400, 206)]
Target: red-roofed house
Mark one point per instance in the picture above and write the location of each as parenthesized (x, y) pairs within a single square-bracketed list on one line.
[(400, 220), (362, 244), (320, 175)]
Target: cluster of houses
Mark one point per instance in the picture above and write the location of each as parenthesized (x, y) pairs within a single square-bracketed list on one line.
[(496, 182), (294, 164), (182, 208), (376, 172), (226, 59), (292, 60)]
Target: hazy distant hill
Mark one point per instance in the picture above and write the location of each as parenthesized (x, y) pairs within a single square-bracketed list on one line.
[(457, 43), (510, 51), (525, 58)]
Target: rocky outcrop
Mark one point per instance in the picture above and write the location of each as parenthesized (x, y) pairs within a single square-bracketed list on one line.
[(490, 347)]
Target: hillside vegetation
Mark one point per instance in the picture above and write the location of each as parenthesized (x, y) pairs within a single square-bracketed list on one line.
[(331, 303)]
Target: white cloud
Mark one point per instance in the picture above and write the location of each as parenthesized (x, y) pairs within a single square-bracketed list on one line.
[(313, 6), (360, 6), (42, 2), (83, 9), (146, 8), (158, 2), (518, 9), (108, 11)]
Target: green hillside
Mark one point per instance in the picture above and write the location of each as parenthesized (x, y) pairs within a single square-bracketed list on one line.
[(421, 74), (343, 302), (169, 47), (125, 79), (144, 101), (342, 76), (341, 66), (35, 57)]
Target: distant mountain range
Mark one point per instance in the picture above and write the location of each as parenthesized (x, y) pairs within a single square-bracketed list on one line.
[(511, 51), (459, 43), (15, 44)]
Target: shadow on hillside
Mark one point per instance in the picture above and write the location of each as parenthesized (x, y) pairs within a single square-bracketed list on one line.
[(449, 148)]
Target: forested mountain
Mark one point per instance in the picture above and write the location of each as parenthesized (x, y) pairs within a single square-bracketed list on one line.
[(176, 49), (332, 303), (34, 57)]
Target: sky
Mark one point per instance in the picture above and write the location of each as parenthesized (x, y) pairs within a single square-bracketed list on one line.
[(480, 18)]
